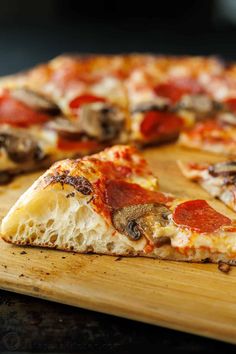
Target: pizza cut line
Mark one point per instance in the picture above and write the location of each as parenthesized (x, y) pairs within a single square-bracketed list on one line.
[(110, 203)]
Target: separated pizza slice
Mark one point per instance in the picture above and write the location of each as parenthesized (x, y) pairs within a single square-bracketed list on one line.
[(217, 136), (109, 203), (218, 179)]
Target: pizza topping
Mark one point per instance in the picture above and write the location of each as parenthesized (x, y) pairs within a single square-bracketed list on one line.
[(200, 104), (101, 121), (79, 101), (223, 169), (17, 113), (210, 129), (5, 177), (35, 100), (120, 194), (138, 220), (231, 104), (77, 145), (199, 216), (20, 147), (65, 128), (133, 230), (227, 118), (81, 184), (156, 123)]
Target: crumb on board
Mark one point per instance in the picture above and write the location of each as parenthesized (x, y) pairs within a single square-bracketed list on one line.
[(21, 275), (118, 259), (223, 267), (23, 252)]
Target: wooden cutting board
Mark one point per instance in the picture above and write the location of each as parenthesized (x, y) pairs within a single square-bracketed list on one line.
[(195, 298)]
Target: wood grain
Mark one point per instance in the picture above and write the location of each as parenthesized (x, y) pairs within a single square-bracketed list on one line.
[(195, 298)]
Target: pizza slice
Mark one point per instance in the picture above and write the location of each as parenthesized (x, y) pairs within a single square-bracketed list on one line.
[(217, 136), (168, 95), (109, 203), (218, 179), (68, 107)]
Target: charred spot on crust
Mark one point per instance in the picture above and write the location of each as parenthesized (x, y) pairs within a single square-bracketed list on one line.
[(81, 184)]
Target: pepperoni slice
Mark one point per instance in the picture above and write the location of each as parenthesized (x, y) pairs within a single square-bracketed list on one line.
[(156, 123), (85, 99), (231, 103), (175, 90), (199, 216), (76, 145), (18, 114), (120, 193)]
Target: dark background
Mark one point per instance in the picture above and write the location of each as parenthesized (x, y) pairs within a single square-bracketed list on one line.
[(34, 31)]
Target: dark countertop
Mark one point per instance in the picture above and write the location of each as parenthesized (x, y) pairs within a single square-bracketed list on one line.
[(30, 325)]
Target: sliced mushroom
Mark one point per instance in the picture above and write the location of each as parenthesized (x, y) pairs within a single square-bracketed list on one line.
[(200, 104), (35, 100), (20, 147), (101, 121), (223, 169), (159, 104), (80, 183), (223, 267), (138, 220), (227, 117), (65, 128)]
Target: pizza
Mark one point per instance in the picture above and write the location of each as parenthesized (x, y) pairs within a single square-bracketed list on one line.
[(110, 203), (217, 136), (77, 105), (218, 179), (169, 94)]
